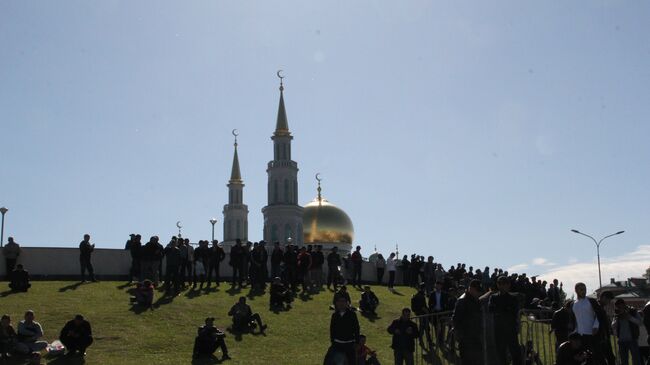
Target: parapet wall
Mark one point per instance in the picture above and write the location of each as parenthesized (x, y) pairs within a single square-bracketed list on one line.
[(112, 264)]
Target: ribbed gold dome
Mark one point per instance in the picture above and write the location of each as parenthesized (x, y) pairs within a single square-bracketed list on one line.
[(324, 222)]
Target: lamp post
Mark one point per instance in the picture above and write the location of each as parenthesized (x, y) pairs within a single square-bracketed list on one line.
[(213, 221), (4, 211), (600, 280), (289, 240)]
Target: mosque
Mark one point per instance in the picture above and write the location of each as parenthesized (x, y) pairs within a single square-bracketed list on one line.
[(319, 222)]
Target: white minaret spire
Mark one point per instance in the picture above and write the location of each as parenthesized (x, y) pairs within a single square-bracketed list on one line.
[(282, 214), (235, 213)]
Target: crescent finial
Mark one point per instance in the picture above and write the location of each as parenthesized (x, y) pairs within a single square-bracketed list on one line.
[(178, 224), (318, 178), (235, 133), (281, 77)]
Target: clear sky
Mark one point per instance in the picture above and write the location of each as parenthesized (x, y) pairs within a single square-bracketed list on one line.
[(472, 131)]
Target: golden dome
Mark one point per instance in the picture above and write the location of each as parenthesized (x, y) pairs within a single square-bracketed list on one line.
[(324, 222)]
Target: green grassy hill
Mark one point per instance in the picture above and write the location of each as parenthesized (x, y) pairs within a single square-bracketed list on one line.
[(166, 334)]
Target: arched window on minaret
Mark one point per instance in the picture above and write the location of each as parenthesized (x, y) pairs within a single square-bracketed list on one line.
[(286, 192), (275, 191), (239, 235), (274, 233)]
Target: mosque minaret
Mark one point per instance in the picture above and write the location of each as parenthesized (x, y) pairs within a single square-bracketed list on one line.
[(235, 213), (282, 214)]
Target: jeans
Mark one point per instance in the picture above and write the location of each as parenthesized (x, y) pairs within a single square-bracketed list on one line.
[(86, 265), (403, 357), (629, 347), (391, 278), (380, 275)]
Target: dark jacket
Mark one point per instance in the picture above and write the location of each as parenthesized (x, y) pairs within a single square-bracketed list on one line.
[(333, 259), (566, 355), (344, 327), (444, 299), (505, 309), (82, 330), (317, 259), (403, 341), (217, 254), (467, 318), (173, 256), (419, 303), (85, 249), (276, 256), (604, 328), (561, 321)]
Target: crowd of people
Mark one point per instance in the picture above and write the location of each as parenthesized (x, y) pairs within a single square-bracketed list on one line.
[(483, 305)]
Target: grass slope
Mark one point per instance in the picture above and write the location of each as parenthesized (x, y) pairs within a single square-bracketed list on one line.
[(166, 334)]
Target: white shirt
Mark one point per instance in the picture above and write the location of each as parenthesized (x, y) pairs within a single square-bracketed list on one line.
[(391, 264), (586, 320)]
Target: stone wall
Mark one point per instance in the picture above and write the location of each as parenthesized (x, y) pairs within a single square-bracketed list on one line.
[(50, 263)]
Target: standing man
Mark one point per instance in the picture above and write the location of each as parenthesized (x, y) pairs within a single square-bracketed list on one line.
[(344, 331), (438, 302), (172, 268), (236, 253), (505, 310), (11, 251), (276, 260), (217, 254), (85, 251), (419, 307), (333, 263), (404, 333), (626, 327), (357, 262), (467, 320), (585, 314), (316, 271)]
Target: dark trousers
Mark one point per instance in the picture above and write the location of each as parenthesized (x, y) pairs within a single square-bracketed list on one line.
[(391, 279), (332, 276), (593, 344), (244, 323), (214, 267), (608, 353), (172, 277), (627, 348), (403, 357), (10, 266), (86, 265), (380, 275), (347, 350), (471, 352), (76, 343), (560, 338), (237, 275), (356, 274), (506, 341), (208, 345), (134, 272)]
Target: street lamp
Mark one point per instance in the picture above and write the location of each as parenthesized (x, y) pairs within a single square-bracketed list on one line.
[(213, 221), (600, 280), (3, 211), (289, 239)]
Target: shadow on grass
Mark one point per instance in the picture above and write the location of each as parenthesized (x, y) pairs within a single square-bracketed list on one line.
[(193, 293), (162, 300), (234, 290), (70, 287), (256, 292), (124, 286), (7, 293), (395, 292), (66, 360), (206, 360), (372, 317), (305, 296)]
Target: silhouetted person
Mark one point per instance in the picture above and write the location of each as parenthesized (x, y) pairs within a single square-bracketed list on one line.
[(10, 251), (7, 337), (467, 321), (276, 260), (243, 318), (357, 262), (344, 331), (29, 333), (236, 259), (419, 307), (85, 251), (280, 295), (369, 301), (217, 254), (152, 252), (626, 328), (172, 267), (560, 324), (77, 336), (404, 333), (144, 294), (571, 352), (504, 308), (585, 314), (316, 270), (304, 264), (201, 262), (333, 264), (20, 279), (210, 338), (134, 246)]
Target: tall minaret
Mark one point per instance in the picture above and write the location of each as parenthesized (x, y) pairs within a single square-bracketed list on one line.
[(235, 213), (282, 215)]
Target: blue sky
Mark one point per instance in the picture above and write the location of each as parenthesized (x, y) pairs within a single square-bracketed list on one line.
[(472, 131)]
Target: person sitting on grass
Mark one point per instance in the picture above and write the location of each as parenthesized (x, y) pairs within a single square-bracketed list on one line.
[(143, 294), (342, 293), (365, 356), (29, 334), (243, 318), (7, 337), (76, 336), (571, 352), (280, 295), (369, 301), (19, 279), (208, 340)]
